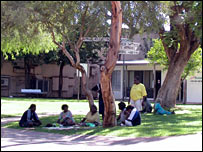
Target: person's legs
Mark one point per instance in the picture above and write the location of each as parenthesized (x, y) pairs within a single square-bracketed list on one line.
[(128, 123), (138, 105), (132, 102), (160, 110)]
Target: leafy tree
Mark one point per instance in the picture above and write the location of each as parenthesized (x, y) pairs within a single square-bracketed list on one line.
[(158, 55), (35, 26), (180, 42)]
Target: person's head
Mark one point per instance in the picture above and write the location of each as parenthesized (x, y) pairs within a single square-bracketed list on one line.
[(64, 107), (129, 108), (32, 107), (121, 105), (93, 109), (137, 80), (158, 100)]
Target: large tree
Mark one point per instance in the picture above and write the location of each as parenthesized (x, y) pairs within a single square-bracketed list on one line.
[(35, 26), (180, 42), (108, 67)]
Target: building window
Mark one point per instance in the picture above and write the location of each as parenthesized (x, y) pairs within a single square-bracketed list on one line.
[(40, 84), (116, 80)]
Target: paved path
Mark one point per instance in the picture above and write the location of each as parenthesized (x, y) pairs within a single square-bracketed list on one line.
[(28, 140)]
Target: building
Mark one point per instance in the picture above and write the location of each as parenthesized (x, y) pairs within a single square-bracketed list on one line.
[(46, 76)]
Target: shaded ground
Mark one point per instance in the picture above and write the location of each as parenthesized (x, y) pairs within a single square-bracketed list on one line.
[(28, 140)]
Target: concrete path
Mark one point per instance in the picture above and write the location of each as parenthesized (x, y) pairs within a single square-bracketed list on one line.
[(28, 140)]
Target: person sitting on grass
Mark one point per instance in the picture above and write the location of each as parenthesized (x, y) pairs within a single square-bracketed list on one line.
[(133, 117), (159, 110), (122, 115), (146, 106), (65, 117), (30, 118), (91, 118)]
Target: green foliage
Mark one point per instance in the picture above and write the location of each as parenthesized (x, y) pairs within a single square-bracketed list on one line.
[(158, 55), (26, 25), (143, 16)]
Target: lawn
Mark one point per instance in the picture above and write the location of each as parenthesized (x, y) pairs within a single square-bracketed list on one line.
[(187, 120)]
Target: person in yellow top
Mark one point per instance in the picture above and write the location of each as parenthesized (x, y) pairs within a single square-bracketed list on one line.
[(137, 94), (91, 117)]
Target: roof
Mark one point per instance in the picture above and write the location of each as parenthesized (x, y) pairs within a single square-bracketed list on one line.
[(133, 62)]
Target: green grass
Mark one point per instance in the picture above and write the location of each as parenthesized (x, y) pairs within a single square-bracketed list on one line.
[(16, 106), (187, 120), (40, 99)]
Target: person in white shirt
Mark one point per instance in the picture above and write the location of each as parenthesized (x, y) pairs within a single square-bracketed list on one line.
[(133, 117)]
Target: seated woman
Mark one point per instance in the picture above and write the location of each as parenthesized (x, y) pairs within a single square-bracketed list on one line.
[(159, 110), (30, 118), (91, 117), (122, 116), (66, 118), (133, 117)]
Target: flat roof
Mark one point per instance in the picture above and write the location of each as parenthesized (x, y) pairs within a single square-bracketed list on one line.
[(133, 62)]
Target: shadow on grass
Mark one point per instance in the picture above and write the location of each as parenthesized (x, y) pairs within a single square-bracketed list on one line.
[(152, 126)]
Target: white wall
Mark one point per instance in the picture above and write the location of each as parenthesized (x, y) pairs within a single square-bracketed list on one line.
[(119, 94), (194, 89)]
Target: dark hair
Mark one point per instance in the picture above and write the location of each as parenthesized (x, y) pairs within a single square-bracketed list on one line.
[(137, 77), (122, 105), (93, 106), (129, 107), (63, 106), (32, 106)]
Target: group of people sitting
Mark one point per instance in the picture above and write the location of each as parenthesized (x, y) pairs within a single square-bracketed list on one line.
[(129, 116), (30, 118)]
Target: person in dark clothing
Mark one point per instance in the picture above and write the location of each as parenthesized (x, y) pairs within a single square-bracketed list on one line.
[(146, 106), (30, 118), (133, 117), (101, 102)]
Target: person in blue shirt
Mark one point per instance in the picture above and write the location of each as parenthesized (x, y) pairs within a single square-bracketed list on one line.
[(30, 118), (159, 110)]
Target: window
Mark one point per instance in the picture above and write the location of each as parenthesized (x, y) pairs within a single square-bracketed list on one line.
[(40, 84), (116, 80)]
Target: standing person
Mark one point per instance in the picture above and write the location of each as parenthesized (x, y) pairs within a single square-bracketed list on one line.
[(66, 117), (137, 94), (133, 117), (30, 118), (101, 102)]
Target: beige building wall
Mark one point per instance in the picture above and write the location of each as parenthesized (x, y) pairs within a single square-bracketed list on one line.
[(50, 72)]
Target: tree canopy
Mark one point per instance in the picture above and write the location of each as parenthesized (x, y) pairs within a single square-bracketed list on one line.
[(158, 55)]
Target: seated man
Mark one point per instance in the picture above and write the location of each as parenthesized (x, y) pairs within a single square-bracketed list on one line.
[(92, 117), (159, 110), (30, 118), (122, 115), (133, 117)]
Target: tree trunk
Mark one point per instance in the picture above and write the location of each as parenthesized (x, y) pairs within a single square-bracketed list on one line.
[(88, 92), (61, 79), (107, 69), (169, 91), (27, 72)]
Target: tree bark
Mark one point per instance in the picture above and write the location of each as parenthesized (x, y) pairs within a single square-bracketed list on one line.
[(61, 79), (77, 66), (170, 88), (107, 69), (178, 56), (27, 72)]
